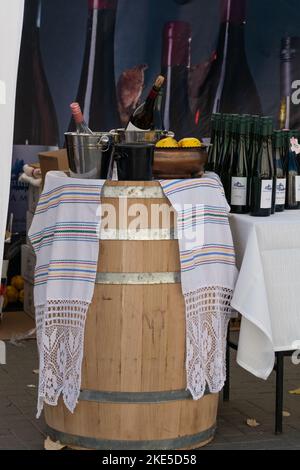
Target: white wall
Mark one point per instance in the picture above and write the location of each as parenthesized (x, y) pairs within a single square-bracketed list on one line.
[(11, 20)]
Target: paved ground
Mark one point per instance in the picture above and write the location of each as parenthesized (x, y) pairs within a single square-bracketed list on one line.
[(250, 398)]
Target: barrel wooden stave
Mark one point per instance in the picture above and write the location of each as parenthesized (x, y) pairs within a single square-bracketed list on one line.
[(135, 345)]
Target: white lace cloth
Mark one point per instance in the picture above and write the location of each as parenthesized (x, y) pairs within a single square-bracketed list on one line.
[(65, 237), (208, 275)]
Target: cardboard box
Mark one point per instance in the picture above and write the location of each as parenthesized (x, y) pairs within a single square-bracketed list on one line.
[(29, 299), (57, 160), (28, 261)]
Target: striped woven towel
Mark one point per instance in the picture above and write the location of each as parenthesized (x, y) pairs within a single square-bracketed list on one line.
[(208, 276), (65, 238)]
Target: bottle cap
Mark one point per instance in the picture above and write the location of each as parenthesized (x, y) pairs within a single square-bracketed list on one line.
[(243, 120), (159, 82), (77, 113), (177, 37)]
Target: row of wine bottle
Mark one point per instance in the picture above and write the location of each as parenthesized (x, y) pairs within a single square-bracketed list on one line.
[(258, 166), (142, 119)]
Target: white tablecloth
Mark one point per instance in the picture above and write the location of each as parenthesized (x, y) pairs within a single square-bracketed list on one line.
[(267, 293)]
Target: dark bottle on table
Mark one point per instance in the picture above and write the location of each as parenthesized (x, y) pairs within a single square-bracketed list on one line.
[(143, 117), (230, 158), (262, 176), (292, 177), (279, 172), (214, 150), (240, 173), (269, 120), (226, 135), (97, 91)]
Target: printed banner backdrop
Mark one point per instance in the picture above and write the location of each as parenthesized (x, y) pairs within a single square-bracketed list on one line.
[(237, 56), (11, 16)]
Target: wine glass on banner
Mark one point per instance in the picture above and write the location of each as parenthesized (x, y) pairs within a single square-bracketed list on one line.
[(36, 128), (97, 90)]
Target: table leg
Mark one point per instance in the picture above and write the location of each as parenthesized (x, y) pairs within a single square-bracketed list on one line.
[(279, 392)]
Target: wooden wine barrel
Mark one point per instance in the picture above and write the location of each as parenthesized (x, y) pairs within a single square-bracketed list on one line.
[(133, 376)]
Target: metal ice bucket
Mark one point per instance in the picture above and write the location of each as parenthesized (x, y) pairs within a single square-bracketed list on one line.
[(89, 155), (121, 136)]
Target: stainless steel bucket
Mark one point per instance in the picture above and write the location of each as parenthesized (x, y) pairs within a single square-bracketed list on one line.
[(121, 136), (90, 156)]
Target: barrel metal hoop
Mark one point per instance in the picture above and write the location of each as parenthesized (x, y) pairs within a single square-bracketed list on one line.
[(133, 192), (163, 444), (138, 278), (136, 397), (142, 234)]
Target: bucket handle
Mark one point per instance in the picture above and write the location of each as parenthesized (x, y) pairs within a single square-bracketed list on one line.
[(104, 142)]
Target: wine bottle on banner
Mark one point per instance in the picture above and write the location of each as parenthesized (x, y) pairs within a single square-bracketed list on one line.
[(214, 150), (176, 58), (36, 128), (97, 91), (262, 176), (292, 176), (222, 91), (240, 172), (279, 172), (143, 117), (230, 158), (289, 112)]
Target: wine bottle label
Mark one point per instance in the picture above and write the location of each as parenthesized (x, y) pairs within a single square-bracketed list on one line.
[(297, 188), (131, 127), (280, 191), (266, 194), (238, 191)]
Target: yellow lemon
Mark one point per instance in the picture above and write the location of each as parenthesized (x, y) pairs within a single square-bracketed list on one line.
[(12, 294), (18, 282), (190, 142), (167, 142), (21, 296)]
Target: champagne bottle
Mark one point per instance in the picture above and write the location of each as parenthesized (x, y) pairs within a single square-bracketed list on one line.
[(226, 125), (269, 123), (221, 91), (292, 177), (81, 125), (279, 171), (262, 176), (36, 128), (230, 158), (97, 91), (143, 117), (176, 58), (240, 172)]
